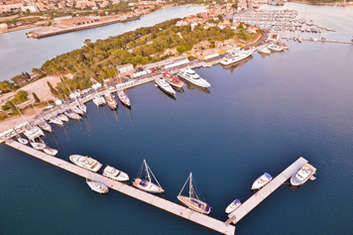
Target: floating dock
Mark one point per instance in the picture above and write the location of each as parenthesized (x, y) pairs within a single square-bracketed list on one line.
[(266, 191), (186, 213)]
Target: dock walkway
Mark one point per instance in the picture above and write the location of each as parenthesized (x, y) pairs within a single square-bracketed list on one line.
[(186, 213), (266, 191)]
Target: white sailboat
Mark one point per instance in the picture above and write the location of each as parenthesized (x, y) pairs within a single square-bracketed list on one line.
[(146, 183), (193, 201), (77, 110)]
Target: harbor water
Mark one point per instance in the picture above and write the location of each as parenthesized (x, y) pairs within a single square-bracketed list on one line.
[(259, 116)]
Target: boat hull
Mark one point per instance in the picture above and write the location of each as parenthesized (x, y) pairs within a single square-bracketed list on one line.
[(97, 187), (232, 206), (76, 160), (261, 182), (195, 204), (147, 186)]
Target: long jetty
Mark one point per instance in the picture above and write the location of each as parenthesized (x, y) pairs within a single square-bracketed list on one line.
[(266, 191), (184, 212)]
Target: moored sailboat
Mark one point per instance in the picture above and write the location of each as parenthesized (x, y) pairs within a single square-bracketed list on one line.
[(146, 183), (193, 201)]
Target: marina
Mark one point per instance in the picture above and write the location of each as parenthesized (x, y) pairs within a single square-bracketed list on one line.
[(217, 202), (256, 121), (99, 183)]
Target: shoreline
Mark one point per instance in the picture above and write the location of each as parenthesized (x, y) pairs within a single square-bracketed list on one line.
[(88, 26), (341, 4)]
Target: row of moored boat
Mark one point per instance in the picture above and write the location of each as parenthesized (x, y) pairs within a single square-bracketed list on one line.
[(148, 182), (109, 99)]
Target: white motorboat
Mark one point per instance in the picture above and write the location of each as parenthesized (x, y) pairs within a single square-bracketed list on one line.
[(113, 105), (45, 126), (56, 121), (193, 201), (146, 183), (86, 162), (264, 50), (50, 151), (37, 145), (99, 100), (302, 175), (236, 57), (124, 99), (22, 140), (233, 206), (97, 186), (115, 174), (275, 47), (77, 110), (72, 115), (165, 86), (63, 117), (261, 181), (82, 107), (33, 132), (192, 77)]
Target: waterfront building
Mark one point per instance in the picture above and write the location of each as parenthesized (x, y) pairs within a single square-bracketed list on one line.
[(3, 28), (125, 68)]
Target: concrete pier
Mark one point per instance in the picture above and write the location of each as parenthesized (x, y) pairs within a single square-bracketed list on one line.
[(266, 191), (179, 210)]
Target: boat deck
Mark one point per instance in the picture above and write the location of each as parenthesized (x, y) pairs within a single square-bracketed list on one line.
[(266, 191), (186, 213)]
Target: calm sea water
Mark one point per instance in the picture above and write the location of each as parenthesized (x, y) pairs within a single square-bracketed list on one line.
[(257, 117), (20, 54)]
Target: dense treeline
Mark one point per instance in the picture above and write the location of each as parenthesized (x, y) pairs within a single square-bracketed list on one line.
[(145, 45)]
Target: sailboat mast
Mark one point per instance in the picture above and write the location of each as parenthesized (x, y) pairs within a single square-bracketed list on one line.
[(190, 184), (147, 170)]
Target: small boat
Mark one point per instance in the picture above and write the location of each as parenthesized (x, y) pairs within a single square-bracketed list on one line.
[(56, 121), (302, 175), (33, 132), (97, 186), (63, 117), (264, 50), (98, 100), (275, 47), (45, 126), (161, 83), (50, 151), (111, 101), (236, 57), (261, 181), (37, 145), (22, 140), (193, 201), (124, 99), (82, 107), (77, 110), (72, 115), (86, 162), (192, 77), (232, 206), (173, 80), (146, 183), (115, 174)]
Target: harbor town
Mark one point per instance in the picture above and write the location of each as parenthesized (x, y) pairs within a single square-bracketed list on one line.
[(175, 62)]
